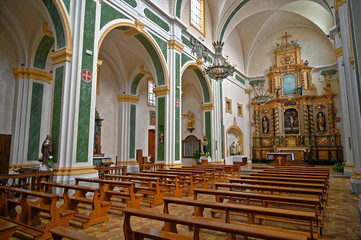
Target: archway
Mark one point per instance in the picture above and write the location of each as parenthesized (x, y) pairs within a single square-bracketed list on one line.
[(234, 142)]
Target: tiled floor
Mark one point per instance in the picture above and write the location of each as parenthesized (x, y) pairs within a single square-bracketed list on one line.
[(341, 220)]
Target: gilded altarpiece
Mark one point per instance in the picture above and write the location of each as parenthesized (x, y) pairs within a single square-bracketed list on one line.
[(296, 119)]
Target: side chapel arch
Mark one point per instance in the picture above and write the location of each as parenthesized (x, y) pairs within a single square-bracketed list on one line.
[(235, 129)]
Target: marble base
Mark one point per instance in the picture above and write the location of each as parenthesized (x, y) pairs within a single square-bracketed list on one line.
[(355, 186)]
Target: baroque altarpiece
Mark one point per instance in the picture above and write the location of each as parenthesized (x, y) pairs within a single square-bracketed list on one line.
[(295, 119)]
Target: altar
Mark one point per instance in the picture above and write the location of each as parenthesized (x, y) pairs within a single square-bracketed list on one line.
[(205, 160), (239, 160)]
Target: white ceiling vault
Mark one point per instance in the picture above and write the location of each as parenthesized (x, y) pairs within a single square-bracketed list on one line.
[(247, 24)]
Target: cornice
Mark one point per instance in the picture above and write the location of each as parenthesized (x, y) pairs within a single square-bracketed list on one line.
[(174, 44), (163, 90), (21, 72), (128, 98), (62, 55)]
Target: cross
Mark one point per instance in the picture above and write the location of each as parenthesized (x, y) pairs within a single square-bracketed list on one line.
[(279, 158), (286, 36), (86, 75)]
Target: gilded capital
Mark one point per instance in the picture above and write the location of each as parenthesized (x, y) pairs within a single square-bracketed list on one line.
[(163, 90), (174, 44), (62, 55), (21, 72), (128, 98)]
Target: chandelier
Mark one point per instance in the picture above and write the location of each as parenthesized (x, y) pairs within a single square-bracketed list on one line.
[(220, 68)]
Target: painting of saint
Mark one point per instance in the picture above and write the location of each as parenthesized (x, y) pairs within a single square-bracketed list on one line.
[(291, 121), (321, 124), (265, 125), (289, 84)]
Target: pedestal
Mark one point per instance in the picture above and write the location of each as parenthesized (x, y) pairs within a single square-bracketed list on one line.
[(205, 160), (239, 160)]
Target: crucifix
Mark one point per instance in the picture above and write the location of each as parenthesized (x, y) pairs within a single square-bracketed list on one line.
[(286, 36)]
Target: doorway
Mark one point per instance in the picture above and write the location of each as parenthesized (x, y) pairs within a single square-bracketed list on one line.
[(151, 145)]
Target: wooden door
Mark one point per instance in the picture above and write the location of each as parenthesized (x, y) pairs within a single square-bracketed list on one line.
[(151, 144), (5, 143)]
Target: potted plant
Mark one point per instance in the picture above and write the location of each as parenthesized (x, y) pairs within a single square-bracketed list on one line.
[(196, 156)]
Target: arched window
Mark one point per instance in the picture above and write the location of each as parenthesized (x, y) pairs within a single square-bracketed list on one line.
[(151, 94), (197, 15), (190, 145)]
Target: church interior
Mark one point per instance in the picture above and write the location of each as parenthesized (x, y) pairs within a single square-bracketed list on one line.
[(118, 119)]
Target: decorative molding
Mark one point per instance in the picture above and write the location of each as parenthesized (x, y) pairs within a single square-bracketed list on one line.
[(163, 90), (46, 31), (339, 3), (174, 44), (138, 28), (62, 55), (167, 166), (247, 91), (141, 70), (349, 166), (17, 166), (356, 175), (21, 72), (69, 171), (128, 98), (199, 62), (207, 106), (338, 52)]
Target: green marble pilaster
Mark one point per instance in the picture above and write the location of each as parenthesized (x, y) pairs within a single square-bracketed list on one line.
[(161, 128), (133, 121)]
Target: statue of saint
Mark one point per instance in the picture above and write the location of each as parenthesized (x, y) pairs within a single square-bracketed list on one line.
[(232, 149), (320, 122), (190, 116), (299, 89), (205, 144), (265, 127), (238, 148), (47, 149)]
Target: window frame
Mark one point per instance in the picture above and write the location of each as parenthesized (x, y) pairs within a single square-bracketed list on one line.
[(239, 110), (230, 104), (202, 15), (155, 101)]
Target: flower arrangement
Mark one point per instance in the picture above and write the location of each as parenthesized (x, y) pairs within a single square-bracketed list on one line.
[(49, 164), (205, 154)]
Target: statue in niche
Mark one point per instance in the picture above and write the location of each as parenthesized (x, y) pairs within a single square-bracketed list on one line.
[(232, 149), (321, 125), (238, 148), (97, 135), (299, 90), (190, 123), (205, 144), (265, 125)]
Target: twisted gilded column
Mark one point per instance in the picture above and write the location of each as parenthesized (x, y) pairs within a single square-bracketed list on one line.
[(312, 123), (331, 118), (256, 122), (306, 129), (277, 123)]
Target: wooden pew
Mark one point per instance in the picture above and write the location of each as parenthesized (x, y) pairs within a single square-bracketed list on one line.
[(170, 183), (199, 177), (29, 217), (125, 191), (60, 232), (185, 179), (287, 179), (303, 203), (217, 171), (151, 166), (252, 212), (100, 208), (291, 174), (7, 229), (26, 180), (119, 170), (148, 186), (197, 224)]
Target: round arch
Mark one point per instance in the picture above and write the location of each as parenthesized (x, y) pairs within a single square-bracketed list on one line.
[(238, 131), (118, 24), (204, 80)]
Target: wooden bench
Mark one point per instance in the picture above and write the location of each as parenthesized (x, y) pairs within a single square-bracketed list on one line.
[(119, 170), (7, 229), (100, 208), (288, 179), (26, 180), (119, 189), (151, 166), (197, 224), (300, 203), (185, 179), (199, 177), (170, 183), (217, 172), (60, 232), (29, 217), (252, 212), (148, 186)]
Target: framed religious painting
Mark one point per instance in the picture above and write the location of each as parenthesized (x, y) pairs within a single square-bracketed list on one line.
[(289, 85), (291, 123), (152, 118)]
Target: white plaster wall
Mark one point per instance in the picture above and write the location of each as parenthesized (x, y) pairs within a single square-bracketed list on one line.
[(191, 101), (315, 47), (233, 49), (237, 95), (208, 36), (164, 5), (107, 106), (7, 82), (142, 118)]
